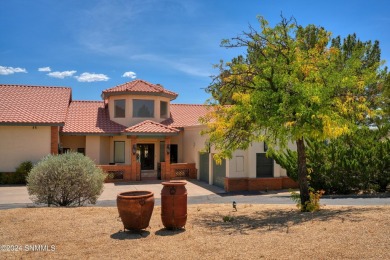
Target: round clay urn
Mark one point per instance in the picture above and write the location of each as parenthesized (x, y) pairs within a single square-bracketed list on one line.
[(135, 209), (174, 204)]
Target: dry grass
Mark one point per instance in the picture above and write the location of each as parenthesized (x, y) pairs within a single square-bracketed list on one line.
[(256, 231)]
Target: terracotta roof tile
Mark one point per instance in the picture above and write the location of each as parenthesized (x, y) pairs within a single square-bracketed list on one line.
[(185, 115), (140, 86), (150, 127), (90, 117), (21, 104)]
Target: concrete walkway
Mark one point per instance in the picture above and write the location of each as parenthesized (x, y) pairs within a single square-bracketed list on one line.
[(198, 193)]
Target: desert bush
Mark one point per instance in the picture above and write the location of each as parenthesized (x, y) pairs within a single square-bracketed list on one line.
[(313, 204), (69, 179), (17, 177)]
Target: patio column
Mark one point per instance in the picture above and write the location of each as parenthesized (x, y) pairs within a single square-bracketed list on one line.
[(167, 158), (54, 139), (133, 158)]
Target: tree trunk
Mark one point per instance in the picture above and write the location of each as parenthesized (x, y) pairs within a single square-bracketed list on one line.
[(302, 174)]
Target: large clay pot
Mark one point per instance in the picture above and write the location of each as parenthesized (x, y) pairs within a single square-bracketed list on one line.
[(135, 209), (174, 204)]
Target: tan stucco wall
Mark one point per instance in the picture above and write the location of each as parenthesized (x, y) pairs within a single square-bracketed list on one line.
[(92, 148), (129, 120), (22, 143), (72, 142), (104, 150)]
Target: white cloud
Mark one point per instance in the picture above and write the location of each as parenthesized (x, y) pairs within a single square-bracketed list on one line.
[(44, 69), (129, 74), (61, 74), (11, 70), (91, 77)]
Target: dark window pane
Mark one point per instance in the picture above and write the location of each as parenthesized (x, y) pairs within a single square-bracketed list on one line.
[(163, 109), (120, 108), (81, 150), (143, 108)]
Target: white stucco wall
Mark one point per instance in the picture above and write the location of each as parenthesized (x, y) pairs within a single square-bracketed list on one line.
[(193, 143), (241, 165), (238, 165), (22, 143)]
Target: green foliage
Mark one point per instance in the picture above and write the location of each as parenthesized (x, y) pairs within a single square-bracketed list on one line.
[(295, 83), (68, 179), (313, 204), (228, 219), (288, 159), (17, 177), (350, 163)]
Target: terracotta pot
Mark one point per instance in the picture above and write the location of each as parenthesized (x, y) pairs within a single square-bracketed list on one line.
[(174, 204), (135, 209)]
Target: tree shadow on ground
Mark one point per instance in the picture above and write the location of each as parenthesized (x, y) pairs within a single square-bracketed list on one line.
[(130, 234), (276, 219), (169, 232)]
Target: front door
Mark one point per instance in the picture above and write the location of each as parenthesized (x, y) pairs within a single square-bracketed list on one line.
[(145, 153)]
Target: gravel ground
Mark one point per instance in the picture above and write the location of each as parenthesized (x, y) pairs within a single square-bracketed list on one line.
[(253, 232)]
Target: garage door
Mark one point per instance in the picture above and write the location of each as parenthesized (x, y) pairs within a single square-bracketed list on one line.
[(219, 174), (204, 167), (264, 166)]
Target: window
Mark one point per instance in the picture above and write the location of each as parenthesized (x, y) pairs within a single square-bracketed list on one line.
[(143, 108), (163, 109), (120, 108), (264, 166), (119, 152), (81, 150)]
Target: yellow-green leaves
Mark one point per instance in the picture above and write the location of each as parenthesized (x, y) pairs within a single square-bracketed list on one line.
[(294, 82)]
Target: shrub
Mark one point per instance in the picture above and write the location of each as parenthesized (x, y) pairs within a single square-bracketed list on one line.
[(358, 162), (17, 177), (22, 171), (313, 204), (68, 179)]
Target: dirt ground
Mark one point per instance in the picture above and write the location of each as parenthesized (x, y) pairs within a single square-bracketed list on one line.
[(253, 232)]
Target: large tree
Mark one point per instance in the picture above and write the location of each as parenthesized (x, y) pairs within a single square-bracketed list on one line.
[(293, 83)]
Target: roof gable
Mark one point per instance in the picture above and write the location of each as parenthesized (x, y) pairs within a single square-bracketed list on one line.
[(21, 104), (150, 127), (139, 87)]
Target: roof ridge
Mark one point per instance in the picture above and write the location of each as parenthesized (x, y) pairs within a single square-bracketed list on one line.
[(34, 86), (182, 104), (89, 101)]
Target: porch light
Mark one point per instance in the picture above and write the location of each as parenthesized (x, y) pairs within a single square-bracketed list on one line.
[(265, 147), (134, 149), (168, 148)]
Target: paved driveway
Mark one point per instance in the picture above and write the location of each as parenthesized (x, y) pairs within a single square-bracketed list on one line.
[(198, 193)]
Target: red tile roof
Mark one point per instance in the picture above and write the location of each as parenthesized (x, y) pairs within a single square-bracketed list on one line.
[(20, 104), (90, 117), (150, 127), (185, 115), (140, 86)]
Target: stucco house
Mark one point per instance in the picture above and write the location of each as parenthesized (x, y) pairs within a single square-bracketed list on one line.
[(135, 133)]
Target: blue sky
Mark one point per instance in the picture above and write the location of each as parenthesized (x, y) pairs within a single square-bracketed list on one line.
[(92, 45)]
